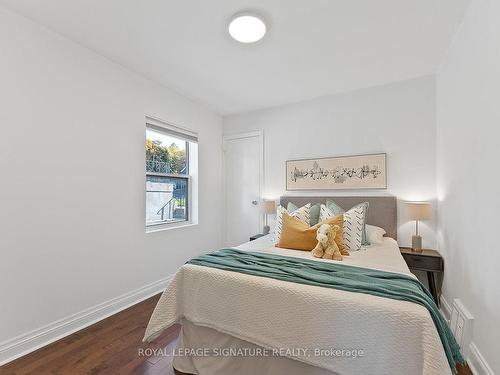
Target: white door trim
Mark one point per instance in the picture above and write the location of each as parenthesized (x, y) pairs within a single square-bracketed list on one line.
[(257, 133), (229, 137)]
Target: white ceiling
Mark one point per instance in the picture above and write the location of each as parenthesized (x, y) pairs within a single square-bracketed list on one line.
[(313, 47)]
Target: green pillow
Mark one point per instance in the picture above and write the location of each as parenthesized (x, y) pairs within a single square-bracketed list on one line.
[(314, 212), (336, 209)]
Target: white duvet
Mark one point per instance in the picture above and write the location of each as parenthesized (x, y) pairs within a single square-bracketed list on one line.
[(395, 337), (385, 256)]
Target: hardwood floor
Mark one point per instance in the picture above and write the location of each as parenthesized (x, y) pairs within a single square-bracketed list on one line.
[(110, 346)]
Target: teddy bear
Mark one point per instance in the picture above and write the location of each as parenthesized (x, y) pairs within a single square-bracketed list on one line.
[(327, 248)]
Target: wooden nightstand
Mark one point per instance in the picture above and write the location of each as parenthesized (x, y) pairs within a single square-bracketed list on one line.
[(255, 236), (426, 260)]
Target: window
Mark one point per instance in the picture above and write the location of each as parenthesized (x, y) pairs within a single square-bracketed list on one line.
[(171, 160)]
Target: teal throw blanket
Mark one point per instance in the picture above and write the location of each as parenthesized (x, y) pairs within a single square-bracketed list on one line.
[(336, 276)]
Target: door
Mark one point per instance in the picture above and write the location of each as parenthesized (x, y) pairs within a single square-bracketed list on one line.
[(243, 171)]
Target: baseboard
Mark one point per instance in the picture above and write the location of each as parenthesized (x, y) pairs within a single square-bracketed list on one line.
[(445, 308), (40, 337), (477, 363)]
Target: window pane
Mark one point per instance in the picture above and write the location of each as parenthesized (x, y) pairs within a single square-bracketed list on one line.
[(166, 199), (165, 154)]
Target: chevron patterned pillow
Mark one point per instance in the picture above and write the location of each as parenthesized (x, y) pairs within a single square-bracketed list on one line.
[(354, 222), (303, 214), (336, 209)]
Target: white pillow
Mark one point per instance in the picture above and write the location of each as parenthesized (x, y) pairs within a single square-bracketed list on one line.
[(303, 214), (353, 224), (374, 234)]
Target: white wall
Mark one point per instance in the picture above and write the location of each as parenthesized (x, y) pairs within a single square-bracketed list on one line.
[(398, 119), (72, 130), (468, 179)]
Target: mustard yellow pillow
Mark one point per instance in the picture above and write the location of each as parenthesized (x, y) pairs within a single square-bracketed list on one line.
[(297, 235)]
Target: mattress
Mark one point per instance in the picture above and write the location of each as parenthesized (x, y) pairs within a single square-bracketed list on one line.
[(236, 309)]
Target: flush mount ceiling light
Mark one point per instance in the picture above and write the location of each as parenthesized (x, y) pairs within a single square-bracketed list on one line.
[(247, 27)]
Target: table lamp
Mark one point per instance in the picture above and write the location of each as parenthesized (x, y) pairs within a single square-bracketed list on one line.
[(268, 207), (418, 211)]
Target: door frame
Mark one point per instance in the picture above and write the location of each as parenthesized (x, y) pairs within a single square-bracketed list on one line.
[(229, 137)]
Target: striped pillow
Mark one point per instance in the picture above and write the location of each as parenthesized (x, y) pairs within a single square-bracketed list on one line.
[(303, 214), (354, 223), (314, 212)]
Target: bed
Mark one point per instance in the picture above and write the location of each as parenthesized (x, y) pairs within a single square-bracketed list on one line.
[(234, 323)]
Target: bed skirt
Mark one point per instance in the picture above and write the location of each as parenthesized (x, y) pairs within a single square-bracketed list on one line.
[(206, 351)]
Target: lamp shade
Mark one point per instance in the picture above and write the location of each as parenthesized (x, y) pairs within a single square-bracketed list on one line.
[(268, 206), (418, 210)]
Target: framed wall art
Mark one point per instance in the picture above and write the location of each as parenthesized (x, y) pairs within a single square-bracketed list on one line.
[(334, 173)]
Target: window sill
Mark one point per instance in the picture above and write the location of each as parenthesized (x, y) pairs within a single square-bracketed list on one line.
[(169, 226)]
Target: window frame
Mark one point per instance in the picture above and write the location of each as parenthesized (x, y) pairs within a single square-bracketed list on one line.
[(189, 137)]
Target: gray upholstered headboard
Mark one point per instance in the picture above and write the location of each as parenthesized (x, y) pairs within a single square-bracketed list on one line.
[(382, 211)]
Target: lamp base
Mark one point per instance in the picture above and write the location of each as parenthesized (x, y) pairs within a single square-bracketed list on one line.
[(266, 229), (416, 243)]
